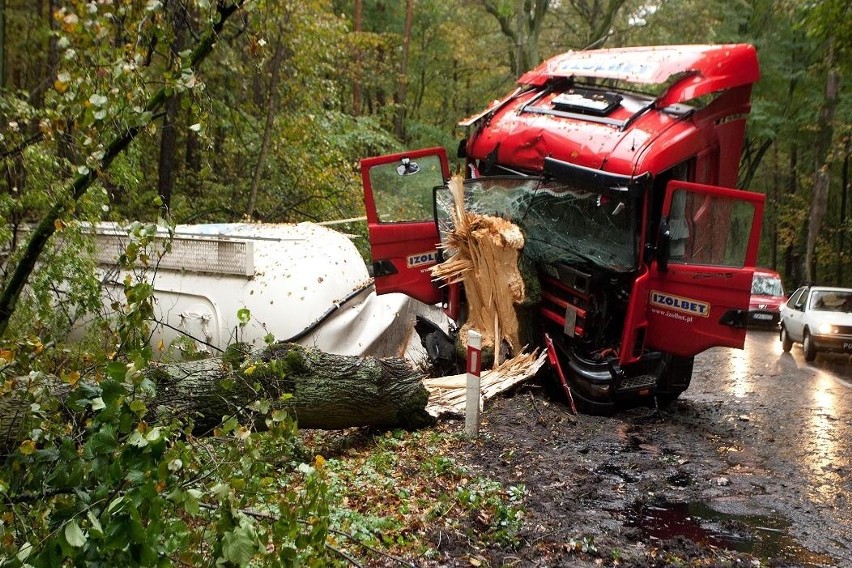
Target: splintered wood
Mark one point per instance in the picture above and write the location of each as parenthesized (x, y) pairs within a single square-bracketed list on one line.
[(447, 394), (484, 253)]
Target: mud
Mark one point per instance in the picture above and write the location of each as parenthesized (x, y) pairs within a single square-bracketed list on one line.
[(750, 467)]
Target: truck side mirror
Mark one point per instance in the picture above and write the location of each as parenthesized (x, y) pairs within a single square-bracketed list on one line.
[(664, 241), (407, 167)]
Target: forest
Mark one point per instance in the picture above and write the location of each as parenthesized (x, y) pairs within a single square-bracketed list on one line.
[(164, 112)]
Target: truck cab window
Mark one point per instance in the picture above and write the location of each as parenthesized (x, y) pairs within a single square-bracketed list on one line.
[(403, 190), (717, 229)]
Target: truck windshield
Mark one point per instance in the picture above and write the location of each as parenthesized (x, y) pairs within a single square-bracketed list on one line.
[(560, 223)]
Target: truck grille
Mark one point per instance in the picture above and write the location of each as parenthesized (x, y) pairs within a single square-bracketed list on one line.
[(565, 298)]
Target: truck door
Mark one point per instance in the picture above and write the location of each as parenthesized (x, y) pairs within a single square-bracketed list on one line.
[(699, 298), (401, 219)]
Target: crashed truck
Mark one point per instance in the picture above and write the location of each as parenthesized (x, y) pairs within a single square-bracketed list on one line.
[(618, 166)]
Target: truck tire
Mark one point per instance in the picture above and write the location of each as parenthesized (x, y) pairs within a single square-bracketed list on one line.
[(786, 342), (808, 347), (665, 400)]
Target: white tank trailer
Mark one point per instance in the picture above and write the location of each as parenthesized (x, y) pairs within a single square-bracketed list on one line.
[(302, 283)]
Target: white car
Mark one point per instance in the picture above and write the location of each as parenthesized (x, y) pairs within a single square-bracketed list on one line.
[(818, 317)]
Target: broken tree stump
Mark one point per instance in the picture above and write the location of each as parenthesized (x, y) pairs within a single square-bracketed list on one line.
[(484, 254)]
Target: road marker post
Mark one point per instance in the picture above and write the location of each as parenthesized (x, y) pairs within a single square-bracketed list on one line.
[(472, 395)]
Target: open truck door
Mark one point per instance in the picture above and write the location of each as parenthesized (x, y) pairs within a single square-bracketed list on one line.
[(695, 294), (398, 190)]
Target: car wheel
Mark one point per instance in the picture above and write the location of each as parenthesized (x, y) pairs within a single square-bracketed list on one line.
[(808, 347), (786, 342)]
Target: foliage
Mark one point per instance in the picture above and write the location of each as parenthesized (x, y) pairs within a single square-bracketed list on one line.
[(91, 481)]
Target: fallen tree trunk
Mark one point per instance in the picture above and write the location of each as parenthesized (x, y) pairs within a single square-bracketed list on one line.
[(321, 390)]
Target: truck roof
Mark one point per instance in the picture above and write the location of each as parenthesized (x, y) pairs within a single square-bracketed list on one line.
[(704, 68), (563, 108)]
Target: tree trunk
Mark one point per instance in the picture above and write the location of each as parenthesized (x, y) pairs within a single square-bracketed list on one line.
[(486, 257), (168, 145), (2, 44), (402, 81), (321, 390), (271, 108), (822, 159), (168, 134), (357, 26)]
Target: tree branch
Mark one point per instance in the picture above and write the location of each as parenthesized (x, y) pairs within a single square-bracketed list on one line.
[(45, 229)]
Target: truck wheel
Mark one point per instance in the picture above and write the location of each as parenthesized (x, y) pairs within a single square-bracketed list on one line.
[(666, 400), (808, 347), (786, 342)]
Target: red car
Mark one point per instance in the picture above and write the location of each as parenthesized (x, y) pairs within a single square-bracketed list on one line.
[(767, 297)]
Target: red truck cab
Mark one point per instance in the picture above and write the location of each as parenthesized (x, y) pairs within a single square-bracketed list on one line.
[(618, 165)]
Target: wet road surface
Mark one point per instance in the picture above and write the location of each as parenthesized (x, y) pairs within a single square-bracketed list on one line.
[(792, 449)]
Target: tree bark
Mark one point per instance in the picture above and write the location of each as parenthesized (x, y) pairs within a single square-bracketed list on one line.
[(321, 390), (822, 163)]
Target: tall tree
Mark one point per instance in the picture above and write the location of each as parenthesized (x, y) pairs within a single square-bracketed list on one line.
[(402, 81), (271, 110), (836, 42), (169, 131), (357, 27), (521, 21), (2, 44), (821, 160)]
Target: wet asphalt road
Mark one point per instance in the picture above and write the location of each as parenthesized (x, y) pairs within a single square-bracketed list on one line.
[(793, 426)]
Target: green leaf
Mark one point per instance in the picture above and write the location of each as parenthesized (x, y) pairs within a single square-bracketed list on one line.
[(138, 407), (24, 552), (154, 434), (137, 439), (74, 534), (239, 545), (244, 315), (115, 370), (96, 524), (103, 441)]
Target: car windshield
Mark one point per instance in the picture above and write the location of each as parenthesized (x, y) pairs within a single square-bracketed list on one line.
[(560, 223), (766, 285), (832, 300)]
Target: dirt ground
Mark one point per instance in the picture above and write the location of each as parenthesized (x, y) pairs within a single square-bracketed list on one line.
[(590, 481), (636, 489)]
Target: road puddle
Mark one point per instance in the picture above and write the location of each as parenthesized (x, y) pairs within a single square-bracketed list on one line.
[(762, 536)]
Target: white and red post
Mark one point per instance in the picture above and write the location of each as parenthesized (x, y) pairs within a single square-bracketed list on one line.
[(474, 367)]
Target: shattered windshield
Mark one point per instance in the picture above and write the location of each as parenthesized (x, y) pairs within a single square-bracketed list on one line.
[(560, 223)]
